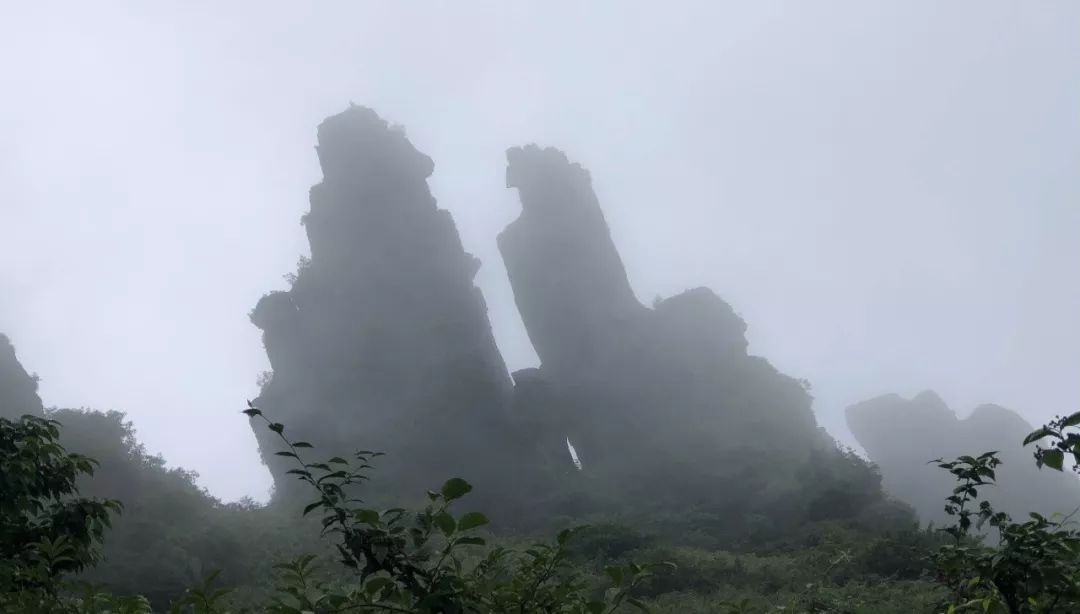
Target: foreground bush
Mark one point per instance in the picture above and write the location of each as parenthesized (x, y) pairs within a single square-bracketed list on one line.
[(432, 561), (1035, 567), (46, 530), (438, 559)]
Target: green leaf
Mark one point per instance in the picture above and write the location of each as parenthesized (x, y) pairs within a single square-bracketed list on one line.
[(336, 475), (286, 453), (563, 536), (471, 521), (277, 427), (472, 541), (445, 522), (252, 412), (455, 488), (1038, 434), (395, 512), (367, 516), (615, 572), (1073, 420), (376, 584), (1053, 459), (311, 506)]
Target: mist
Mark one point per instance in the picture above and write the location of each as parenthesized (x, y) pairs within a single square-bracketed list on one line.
[(889, 196)]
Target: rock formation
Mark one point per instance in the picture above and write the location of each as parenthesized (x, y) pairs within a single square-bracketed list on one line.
[(383, 341), (569, 282), (18, 389), (902, 435), (669, 391)]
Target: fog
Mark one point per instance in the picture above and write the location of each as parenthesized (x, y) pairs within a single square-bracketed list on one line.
[(888, 193)]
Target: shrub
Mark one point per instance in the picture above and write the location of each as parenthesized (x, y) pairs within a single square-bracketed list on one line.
[(431, 561), (1036, 564), (47, 531)]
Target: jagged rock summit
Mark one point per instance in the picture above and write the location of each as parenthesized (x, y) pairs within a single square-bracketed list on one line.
[(666, 390), (383, 341), (18, 389), (569, 282), (902, 435)]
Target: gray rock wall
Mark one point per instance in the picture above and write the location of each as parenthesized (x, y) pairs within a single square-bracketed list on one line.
[(18, 389), (383, 341), (669, 390)]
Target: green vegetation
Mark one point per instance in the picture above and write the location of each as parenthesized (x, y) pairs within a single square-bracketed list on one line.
[(337, 555), (169, 520), (389, 560), (1035, 566), (44, 533)]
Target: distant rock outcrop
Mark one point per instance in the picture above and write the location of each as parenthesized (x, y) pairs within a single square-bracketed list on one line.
[(902, 435), (669, 391), (18, 389), (383, 342)]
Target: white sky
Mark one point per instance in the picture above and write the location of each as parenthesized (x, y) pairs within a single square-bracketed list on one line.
[(889, 192)]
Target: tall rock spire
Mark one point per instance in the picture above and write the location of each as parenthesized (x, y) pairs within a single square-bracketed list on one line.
[(569, 281), (18, 389), (383, 341), (668, 391)]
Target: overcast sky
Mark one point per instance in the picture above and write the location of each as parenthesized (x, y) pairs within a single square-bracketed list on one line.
[(888, 192)]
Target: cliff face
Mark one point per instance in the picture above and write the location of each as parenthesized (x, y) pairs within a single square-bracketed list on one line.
[(902, 435), (383, 342), (669, 389), (568, 279), (18, 389)]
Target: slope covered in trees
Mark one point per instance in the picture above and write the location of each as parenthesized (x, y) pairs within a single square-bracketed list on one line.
[(171, 532), (167, 519)]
